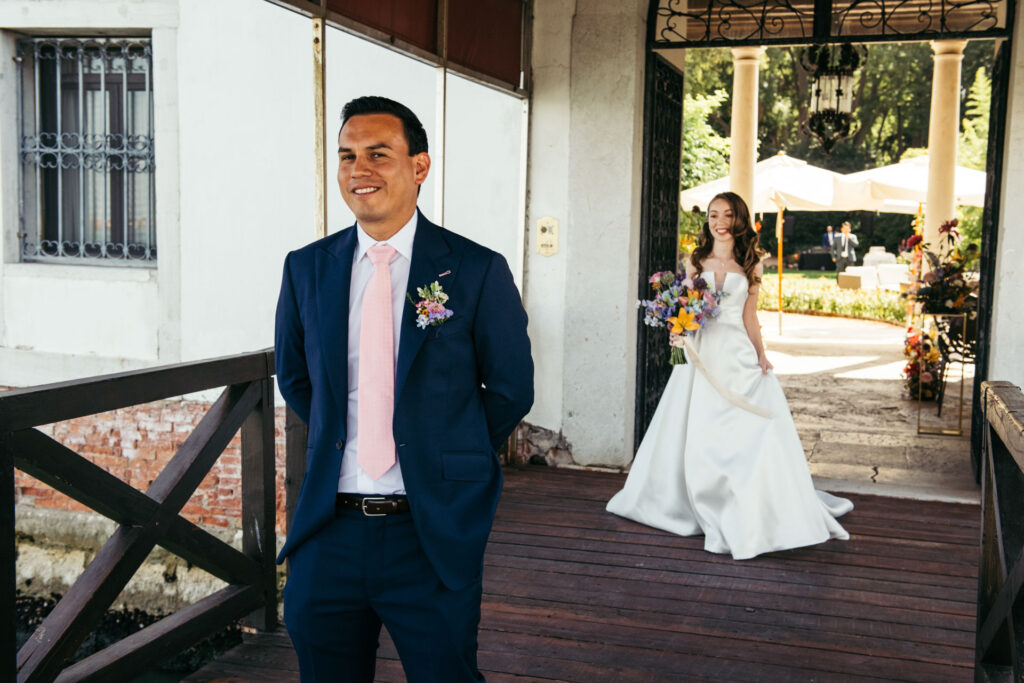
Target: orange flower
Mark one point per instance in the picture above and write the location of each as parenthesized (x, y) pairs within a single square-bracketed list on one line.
[(683, 321)]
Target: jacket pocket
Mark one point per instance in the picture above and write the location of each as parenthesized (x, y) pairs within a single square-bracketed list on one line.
[(454, 325), (467, 465)]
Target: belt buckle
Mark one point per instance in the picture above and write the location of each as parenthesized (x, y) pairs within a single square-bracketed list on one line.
[(372, 499)]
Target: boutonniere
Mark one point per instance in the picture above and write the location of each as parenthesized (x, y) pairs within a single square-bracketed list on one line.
[(430, 308)]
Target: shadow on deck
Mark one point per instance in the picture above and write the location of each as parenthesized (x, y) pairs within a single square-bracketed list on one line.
[(572, 593)]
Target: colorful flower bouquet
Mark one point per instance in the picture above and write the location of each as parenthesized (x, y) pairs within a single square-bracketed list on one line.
[(924, 365), (946, 287), (430, 309), (682, 305)]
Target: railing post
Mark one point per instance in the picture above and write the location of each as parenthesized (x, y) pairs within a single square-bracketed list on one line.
[(999, 644), (259, 540), (8, 575)]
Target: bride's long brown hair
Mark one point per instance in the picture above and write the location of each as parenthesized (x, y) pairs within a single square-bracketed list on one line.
[(745, 249)]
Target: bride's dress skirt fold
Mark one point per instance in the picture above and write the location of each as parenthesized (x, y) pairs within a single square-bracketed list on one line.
[(706, 466)]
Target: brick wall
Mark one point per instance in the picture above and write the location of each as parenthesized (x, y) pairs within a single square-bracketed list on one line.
[(134, 444)]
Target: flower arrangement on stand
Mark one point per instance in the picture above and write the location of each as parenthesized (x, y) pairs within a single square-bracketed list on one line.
[(923, 369), (682, 305), (943, 288)]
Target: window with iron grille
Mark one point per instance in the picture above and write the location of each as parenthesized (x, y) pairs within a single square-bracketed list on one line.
[(86, 126)]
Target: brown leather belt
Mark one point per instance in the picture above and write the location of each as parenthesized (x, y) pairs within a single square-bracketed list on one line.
[(372, 506)]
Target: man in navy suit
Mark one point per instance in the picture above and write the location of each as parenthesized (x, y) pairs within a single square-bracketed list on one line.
[(400, 543)]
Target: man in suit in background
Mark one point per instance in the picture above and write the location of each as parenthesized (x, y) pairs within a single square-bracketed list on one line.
[(406, 405), (828, 238), (844, 248)]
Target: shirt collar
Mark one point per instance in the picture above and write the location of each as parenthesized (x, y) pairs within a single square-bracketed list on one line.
[(401, 240)]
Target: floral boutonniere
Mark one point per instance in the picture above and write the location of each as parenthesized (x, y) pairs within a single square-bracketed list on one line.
[(430, 308)]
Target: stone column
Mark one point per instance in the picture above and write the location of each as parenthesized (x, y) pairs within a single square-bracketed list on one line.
[(745, 61), (943, 127), (585, 163)]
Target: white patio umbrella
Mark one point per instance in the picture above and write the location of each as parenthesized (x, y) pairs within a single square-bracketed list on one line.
[(780, 182), (902, 187)]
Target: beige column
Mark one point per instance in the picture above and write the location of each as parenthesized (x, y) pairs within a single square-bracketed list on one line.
[(943, 126), (745, 62)]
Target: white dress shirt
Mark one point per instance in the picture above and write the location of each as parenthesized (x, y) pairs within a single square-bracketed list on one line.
[(353, 479)]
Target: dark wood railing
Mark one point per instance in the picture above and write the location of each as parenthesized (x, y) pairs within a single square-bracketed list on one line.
[(999, 649), (145, 519)]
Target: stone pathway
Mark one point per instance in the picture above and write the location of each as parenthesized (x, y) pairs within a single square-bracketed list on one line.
[(843, 380)]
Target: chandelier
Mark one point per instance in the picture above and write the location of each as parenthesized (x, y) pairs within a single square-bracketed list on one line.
[(831, 68)]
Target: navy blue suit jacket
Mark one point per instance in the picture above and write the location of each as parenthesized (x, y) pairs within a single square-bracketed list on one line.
[(460, 388)]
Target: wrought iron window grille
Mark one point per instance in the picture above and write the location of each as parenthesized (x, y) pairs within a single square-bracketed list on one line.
[(85, 112)]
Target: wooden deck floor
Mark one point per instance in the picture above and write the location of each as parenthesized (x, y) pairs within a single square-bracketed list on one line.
[(572, 593)]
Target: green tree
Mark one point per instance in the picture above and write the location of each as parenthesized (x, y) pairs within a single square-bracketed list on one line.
[(705, 155), (973, 143), (972, 150)]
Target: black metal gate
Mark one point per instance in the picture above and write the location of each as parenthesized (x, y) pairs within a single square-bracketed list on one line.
[(659, 223)]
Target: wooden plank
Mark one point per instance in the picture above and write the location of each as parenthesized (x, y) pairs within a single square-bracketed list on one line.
[(204, 550), (993, 645), (930, 633), (998, 641), (960, 598), (927, 545), (8, 569), (635, 634), (34, 406), (642, 540), (138, 652), (61, 468), (259, 540), (74, 617), (58, 466), (806, 555), (767, 583), (182, 475), (1004, 410), (559, 492)]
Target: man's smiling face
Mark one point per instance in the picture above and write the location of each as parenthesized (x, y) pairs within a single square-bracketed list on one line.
[(377, 177)]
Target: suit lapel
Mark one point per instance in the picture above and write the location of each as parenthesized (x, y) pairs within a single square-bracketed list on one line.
[(431, 256), (334, 279)]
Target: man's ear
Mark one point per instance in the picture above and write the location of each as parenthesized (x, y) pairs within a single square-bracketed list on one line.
[(421, 162)]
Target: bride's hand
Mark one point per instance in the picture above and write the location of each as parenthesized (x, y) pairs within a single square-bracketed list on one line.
[(765, 364)]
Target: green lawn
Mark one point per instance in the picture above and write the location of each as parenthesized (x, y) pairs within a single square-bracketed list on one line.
[(816, 292), (829, 274)]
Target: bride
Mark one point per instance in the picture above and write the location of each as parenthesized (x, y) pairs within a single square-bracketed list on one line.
[(722, 456)]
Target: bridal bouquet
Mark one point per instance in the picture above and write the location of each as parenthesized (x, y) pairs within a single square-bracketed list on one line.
[(682, 305)]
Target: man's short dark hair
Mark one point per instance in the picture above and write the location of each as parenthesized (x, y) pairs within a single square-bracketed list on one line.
[(372, 104)]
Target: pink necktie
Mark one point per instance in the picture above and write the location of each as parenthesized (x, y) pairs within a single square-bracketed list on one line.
[(377, 368)]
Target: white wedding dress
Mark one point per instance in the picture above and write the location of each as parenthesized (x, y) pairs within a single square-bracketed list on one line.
[(711, 463)]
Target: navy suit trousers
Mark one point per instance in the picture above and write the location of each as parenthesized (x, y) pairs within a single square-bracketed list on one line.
[(359, 572)]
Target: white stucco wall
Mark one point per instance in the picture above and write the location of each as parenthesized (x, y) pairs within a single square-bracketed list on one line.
[(1005, 362), (246, 168), (57, 309), (482, 163), (548, 184), (595, 180)]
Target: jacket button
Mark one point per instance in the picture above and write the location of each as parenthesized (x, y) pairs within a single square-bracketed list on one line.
[(340, 444)]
